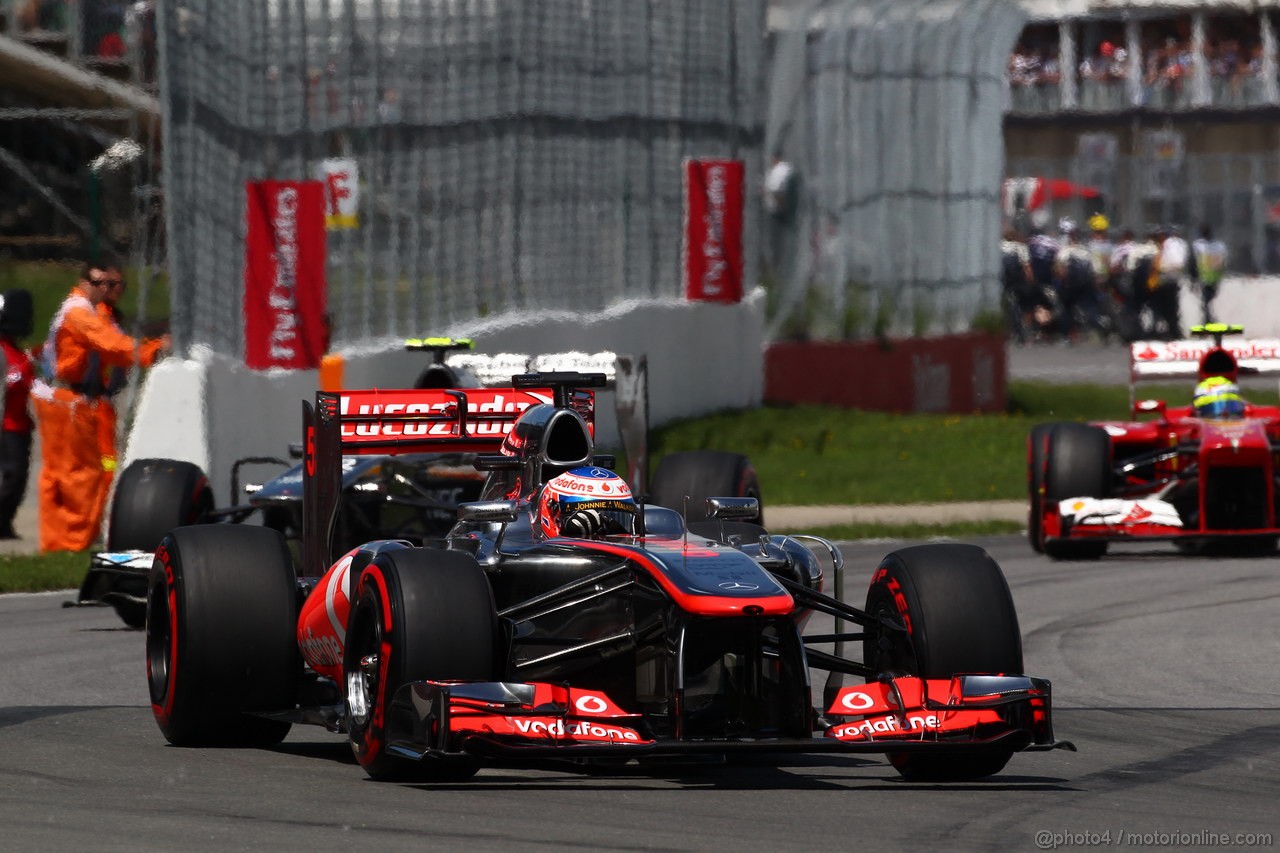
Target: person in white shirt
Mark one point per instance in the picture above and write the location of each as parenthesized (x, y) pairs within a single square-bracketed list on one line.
[(1211, 261), (1172, 266), (780, 202)]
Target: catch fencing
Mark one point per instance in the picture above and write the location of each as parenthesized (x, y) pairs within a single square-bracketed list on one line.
[(512, 155), (890, 113)]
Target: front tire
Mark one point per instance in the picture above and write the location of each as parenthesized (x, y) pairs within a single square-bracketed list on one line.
[(221, 616), (1077, 464), (417, 614), (961, 620)]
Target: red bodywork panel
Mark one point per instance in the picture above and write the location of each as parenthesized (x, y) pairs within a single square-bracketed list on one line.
[(919, 709), (322, 625), (570, 717)]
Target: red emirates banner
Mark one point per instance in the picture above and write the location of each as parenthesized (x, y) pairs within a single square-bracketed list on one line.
[(713, 230), (284, 287)]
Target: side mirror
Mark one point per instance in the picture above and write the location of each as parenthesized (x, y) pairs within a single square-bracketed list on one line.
[(489, 512), (733, 509), (1146, 407)]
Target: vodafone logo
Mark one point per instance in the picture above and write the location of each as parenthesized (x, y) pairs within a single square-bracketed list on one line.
[(856, 701), (591, 705)]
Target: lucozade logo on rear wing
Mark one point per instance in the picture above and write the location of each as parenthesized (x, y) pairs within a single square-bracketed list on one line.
[(491, 412)]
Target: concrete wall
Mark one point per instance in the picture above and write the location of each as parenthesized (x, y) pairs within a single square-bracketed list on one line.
[(211, 410), (1250, 301)]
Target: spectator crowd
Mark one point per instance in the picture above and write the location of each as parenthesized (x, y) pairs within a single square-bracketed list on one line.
[(1165, 66)]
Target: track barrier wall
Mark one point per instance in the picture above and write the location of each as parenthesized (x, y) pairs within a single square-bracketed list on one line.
[(955, 373)]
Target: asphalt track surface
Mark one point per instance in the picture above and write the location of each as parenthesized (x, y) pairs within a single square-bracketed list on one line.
[(1164, 670)]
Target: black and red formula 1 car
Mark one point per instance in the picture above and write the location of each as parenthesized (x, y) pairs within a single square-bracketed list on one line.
[(528, 637), (1179, 475)]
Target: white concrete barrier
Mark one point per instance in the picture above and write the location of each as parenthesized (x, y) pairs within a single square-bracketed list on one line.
[(211, 409), (1251, 301)]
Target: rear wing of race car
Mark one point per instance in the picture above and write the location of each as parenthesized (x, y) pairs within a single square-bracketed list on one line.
[(453, 364), (429, 420), (1170, 359)]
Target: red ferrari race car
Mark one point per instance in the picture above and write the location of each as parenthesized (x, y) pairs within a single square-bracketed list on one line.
[(1203, 473), (562, 619)]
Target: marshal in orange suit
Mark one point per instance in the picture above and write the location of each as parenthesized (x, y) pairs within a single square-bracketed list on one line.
[(81, 344)]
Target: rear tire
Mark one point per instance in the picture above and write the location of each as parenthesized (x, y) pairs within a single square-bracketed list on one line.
[(962, 620), (432, 614), (153, 496), (221, 616), (702, 474), (1077, 464)]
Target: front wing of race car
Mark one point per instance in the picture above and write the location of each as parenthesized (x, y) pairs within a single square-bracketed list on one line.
[(1121, 520), (117, 579), (512, 720)]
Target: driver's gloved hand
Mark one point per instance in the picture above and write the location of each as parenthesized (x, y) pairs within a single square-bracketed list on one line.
[(584, 524)]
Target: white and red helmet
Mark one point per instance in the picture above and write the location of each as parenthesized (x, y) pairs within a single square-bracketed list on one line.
[(585, 502)]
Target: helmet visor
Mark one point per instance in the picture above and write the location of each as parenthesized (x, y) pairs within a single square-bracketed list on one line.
[(619, 515)]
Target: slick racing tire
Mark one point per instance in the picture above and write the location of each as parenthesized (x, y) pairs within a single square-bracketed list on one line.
[(221, 616), (1035, 482), (417, 614), (1077, 464), (962, 620), (153, 496), (702, 474)]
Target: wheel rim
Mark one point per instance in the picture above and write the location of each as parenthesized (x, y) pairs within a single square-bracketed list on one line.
[(158, 644), (362, 680), (893, 653), (361, 687)]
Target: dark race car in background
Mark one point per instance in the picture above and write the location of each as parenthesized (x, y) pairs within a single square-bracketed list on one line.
[(406, 496), (509, 642), (1173, 476)]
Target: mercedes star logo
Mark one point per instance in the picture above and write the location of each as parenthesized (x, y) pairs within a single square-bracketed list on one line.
[(734, 586)]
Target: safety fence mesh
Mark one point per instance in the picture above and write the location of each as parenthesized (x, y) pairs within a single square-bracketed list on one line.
[(890, 113), (512, 155)]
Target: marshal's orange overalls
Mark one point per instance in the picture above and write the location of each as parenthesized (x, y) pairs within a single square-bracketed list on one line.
[(72, 481), (106, 415)]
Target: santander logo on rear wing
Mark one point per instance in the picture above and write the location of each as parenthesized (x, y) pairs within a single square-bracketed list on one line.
[(1154, 359), (427, 420)]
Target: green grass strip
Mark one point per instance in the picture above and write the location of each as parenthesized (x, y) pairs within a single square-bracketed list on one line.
[(40, 572), (827, 455), (957, 530)]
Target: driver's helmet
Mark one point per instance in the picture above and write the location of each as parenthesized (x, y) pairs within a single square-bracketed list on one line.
[(586, 503), (1218, 398)]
